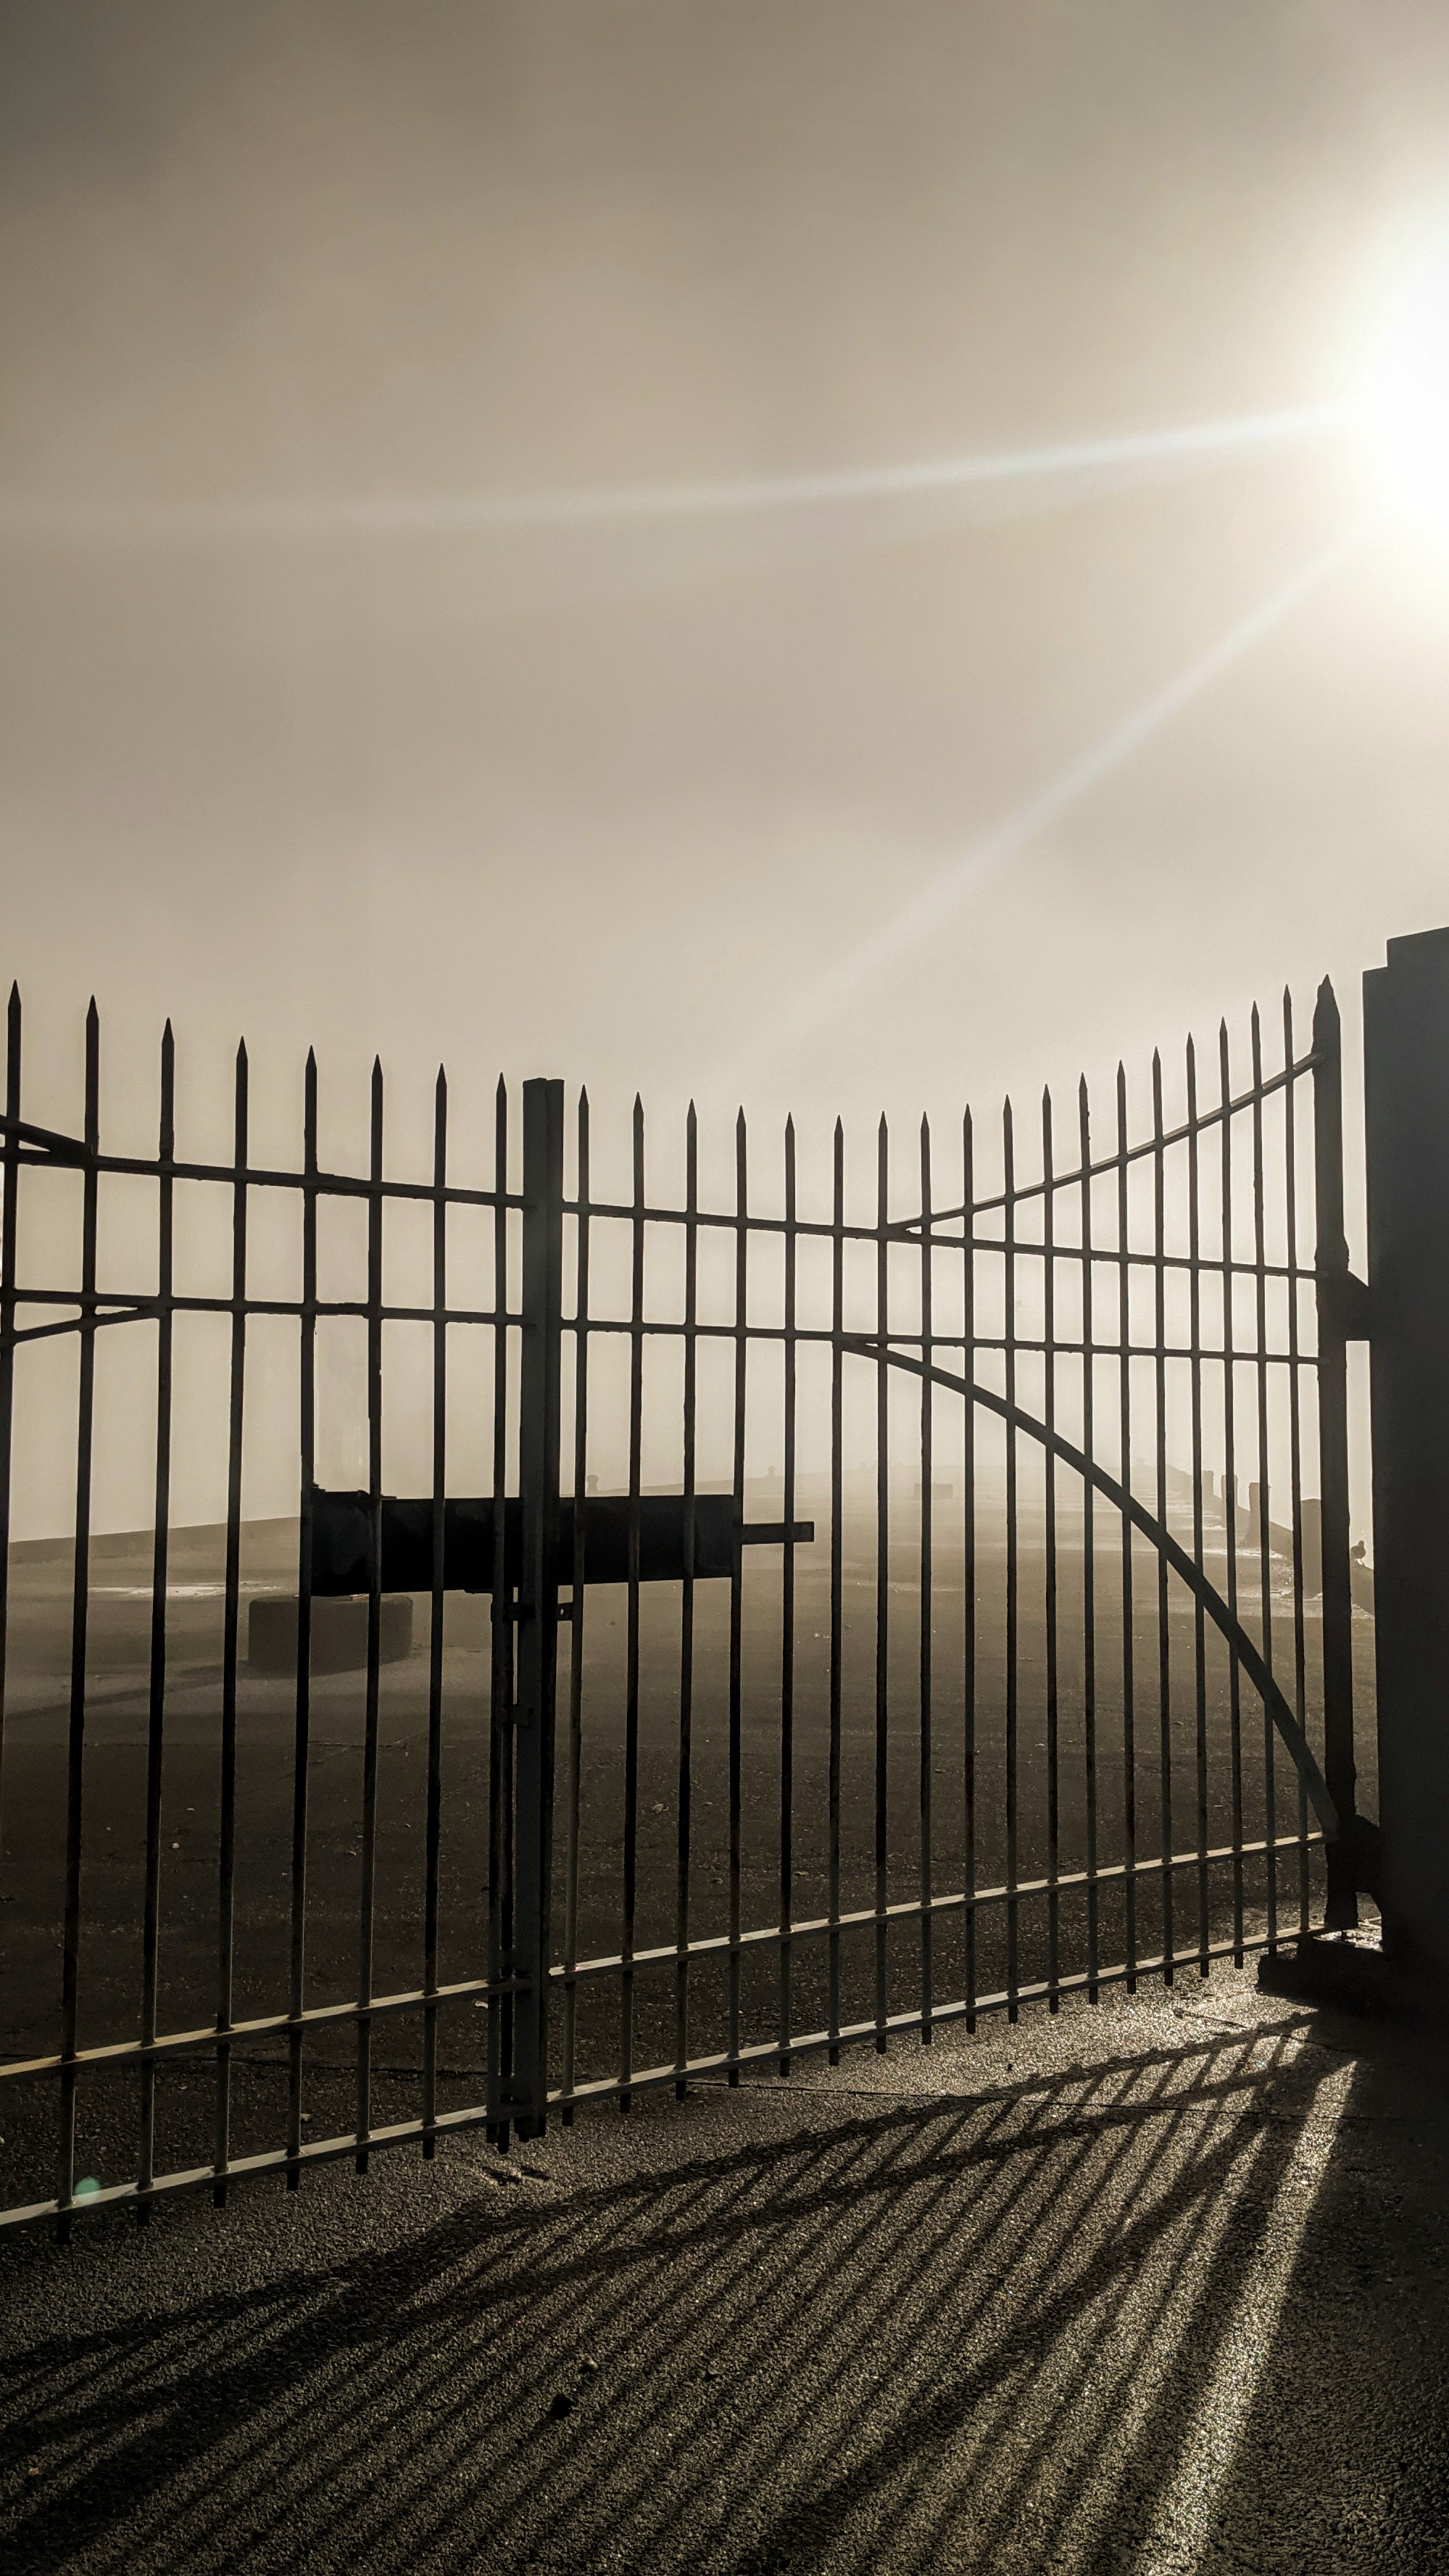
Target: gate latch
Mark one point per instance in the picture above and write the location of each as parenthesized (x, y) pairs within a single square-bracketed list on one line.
[(676, 1536)]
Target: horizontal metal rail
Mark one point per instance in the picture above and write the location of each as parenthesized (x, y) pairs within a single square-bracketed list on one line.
[(206, 2040), (131, 2052), (910, 1909), (78, 1156), (43, 1145), (286, 2161), (1063, 1346)]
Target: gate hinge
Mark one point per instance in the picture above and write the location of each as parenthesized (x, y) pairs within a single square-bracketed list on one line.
[(1347, 1303)]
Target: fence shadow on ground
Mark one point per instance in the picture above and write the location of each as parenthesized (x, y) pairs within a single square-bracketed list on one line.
[(1011, 2331)]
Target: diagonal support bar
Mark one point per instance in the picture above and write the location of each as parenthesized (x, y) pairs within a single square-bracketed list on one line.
[(1152, 1530)]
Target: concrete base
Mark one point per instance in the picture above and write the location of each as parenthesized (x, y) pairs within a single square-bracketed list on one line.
[(339, 1634), (1355, 1974)]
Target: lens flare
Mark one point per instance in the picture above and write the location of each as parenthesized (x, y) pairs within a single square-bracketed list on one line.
[(1077, 465), (1405, 406), (929, 910)]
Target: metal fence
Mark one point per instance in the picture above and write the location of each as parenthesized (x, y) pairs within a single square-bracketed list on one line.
[(842, 1615)]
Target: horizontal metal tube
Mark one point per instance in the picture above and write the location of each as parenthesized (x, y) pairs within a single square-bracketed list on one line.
[(412, 2132), (910, 1909), (129, 2052)]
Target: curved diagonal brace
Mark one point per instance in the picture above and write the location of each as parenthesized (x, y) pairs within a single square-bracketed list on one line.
[(138, 1314), (1158, 1537)]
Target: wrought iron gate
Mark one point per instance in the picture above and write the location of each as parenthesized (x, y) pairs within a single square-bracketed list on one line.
[(842, 1611)]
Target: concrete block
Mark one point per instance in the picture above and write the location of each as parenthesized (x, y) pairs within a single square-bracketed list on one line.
[(339, 1633)]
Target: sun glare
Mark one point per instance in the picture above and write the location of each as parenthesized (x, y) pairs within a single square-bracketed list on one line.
[(1405, 407)]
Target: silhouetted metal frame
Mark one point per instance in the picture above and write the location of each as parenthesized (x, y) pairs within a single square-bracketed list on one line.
[(23, 1143), (522, 1972)]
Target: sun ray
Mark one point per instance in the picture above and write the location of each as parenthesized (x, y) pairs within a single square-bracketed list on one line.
[(930, 907), (38, 517)]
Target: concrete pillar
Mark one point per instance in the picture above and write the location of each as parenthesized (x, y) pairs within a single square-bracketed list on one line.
[(1406, 1081)]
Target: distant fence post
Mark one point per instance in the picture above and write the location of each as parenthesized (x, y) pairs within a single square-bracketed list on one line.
[(538, 1473), (1406, 1085)]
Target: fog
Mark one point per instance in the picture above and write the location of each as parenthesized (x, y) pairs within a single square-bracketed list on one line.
[(821, 556), (618, 799)]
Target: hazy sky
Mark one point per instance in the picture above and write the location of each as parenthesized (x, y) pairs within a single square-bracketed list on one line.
[(612, 798)]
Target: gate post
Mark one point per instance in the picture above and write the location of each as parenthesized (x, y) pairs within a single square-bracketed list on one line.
[(1331, 1273), (1406, 1092), (537, 1606)]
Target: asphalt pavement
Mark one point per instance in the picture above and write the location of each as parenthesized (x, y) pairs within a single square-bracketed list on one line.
[(1158, 2287)]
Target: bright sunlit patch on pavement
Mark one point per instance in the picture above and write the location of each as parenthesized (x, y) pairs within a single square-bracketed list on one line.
[(1183, 2525)]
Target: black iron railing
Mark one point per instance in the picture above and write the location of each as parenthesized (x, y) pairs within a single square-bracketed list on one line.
[(990, 1690)]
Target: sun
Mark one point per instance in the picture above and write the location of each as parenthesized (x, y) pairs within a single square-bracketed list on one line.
[(1404, 404)]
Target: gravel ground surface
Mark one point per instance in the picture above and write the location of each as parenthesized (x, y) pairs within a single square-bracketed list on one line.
[(1159, 2287)]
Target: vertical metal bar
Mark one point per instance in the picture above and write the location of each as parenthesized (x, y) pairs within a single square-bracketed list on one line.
[(1230, 1486), (1013, 1564), (161, 1529), (500, 1686), (230, 1641), (301, 1750), (787, 1620), (631, 1680), (837, 1571), (80, 1602), (1199, 1624), (1124, 1436), (1159, 1390), (882, 1578), (538, 1502), (367, 1902), (1295, 1433), (1265, 1545), (968, 1568), (580, 1578), (1330, 1262), (684, 1791), (742, 1249), (433, 1818), (1089, 1545), (1053, 1688), (927, 1755), (9, 1217)]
